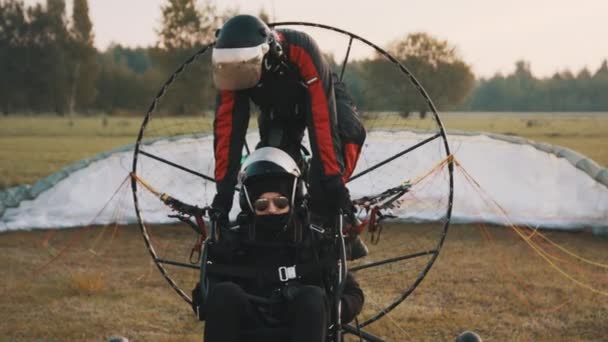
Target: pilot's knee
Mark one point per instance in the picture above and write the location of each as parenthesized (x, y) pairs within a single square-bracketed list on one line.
[(227, 293), (310, 299)]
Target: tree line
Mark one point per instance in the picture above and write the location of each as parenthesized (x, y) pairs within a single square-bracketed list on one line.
[(49, 64), (521, 91)]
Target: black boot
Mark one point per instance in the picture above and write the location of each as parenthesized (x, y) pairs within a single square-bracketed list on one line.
[(355, 248), (358, 249)]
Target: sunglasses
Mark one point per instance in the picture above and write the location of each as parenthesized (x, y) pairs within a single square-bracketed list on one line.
[(261, 204)]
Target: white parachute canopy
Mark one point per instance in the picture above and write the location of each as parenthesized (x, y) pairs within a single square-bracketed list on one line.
[(534, 186)]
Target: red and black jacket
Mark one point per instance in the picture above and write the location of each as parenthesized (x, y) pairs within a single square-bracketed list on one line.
[(297, 93)]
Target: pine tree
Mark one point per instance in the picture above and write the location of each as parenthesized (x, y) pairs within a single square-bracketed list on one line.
[(84, 64), (56, 57), (13, 27), (599, 84)]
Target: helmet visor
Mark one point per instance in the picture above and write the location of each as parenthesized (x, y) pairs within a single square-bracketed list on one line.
[(238, 68)]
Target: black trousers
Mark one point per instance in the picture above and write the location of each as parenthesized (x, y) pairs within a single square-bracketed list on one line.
[(230, 314)]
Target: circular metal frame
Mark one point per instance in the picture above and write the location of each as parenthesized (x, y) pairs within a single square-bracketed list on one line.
[(442, 134)]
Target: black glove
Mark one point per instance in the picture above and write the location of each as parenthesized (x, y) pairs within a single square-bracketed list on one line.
[(220, 208), (337, 197), (219, 216), (345, 204)]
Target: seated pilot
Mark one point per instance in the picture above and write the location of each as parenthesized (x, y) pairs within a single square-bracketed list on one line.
[(272, 255)]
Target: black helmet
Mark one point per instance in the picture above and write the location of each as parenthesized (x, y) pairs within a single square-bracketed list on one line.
[(242, 43), (268, 169)]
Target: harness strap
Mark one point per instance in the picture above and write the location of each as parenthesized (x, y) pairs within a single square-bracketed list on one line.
[(273, 274)]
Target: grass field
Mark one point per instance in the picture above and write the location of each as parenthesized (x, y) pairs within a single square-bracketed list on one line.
[(34, 147), (105, 284), (91, 283)]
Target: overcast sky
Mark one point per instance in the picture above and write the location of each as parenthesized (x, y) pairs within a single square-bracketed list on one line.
[(490, 35)]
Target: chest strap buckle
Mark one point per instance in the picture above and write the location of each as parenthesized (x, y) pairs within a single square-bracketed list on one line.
[(287, 273)]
